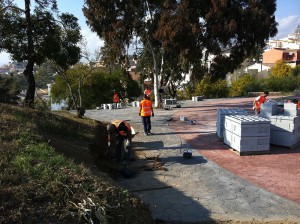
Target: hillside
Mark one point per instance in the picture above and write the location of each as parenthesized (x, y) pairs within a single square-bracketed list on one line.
[(54, 170)]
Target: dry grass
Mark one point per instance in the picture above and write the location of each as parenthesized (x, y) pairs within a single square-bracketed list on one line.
[(48, 172)]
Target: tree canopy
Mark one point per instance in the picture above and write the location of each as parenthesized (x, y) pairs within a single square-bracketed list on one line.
[(34, 35), (182, 34), (93, 87)]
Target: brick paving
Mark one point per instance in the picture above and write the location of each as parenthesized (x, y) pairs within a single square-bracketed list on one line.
[(216, 184)]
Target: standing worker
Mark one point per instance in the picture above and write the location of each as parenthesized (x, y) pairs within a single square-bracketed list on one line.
[(116, 98), (259, 101), (147, 92), (123, 131), (146, 110)]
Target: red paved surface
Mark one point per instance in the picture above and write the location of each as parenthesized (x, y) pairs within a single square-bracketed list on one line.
[(278, 172)]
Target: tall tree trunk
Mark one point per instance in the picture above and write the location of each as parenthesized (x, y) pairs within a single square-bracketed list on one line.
[(64, 76), (155, 65), (155, 73), (28, 72)]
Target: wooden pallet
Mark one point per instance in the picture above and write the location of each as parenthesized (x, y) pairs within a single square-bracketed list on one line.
[(248, 153)]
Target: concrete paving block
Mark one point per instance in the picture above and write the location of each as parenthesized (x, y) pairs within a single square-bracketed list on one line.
[(246, 144), (227, 135), (220, 130), (242, 125), (291, 112), (284, 138), (222, 112), (250, 144), (170, 101), (291, 109), (197, 98), (268, 109), (284, 123)]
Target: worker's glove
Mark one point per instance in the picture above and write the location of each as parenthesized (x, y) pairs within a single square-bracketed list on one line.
[(139, 114), (108, 144), (152, 115)]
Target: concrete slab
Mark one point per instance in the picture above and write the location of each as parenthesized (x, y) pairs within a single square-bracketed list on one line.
[(215, 184)]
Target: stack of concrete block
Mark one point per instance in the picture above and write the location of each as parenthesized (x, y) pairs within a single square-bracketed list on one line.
[(291, 109), (135, 103), (247, 133), (197, 98), (285, 129), (268, 109), (170, 101), (221, 113)]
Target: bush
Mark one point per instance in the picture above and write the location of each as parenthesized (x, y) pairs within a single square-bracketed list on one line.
[(282, 83), (246, 83), (185, 93), (281, 69), (210, 89)]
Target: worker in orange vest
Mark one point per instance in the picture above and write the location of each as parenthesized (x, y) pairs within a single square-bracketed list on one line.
[(147, 91), (116, 98), (146, 110), (259, 101), (122, 131)]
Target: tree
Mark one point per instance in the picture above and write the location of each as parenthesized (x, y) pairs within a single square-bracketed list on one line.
[(36, 35), (180, 35), (281, 69), (90, 87), (296, 71), (8, 89)]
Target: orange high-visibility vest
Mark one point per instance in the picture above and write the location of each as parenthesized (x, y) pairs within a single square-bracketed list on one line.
[(116, 98), (260, 100), (118, 122), (146, 106)]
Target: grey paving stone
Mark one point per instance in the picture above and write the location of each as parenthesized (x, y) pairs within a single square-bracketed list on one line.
[(200, 190)]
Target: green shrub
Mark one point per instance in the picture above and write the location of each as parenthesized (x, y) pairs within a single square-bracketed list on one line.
[(209, 89), (185, 93), (246, 83), (282, 83), (281, 69), (220, 89)]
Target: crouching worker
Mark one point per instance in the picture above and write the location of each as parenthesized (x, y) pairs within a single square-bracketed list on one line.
[(122, 131)]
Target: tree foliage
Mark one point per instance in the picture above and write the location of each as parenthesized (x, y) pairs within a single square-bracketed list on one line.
[(183, 34), (93, 87), (8, 89), (296, 71), (36, 35), (210, 88), (281, 69), (282, 83), (244, 84)]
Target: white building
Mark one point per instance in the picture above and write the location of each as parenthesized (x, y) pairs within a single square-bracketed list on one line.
[(292, 41)]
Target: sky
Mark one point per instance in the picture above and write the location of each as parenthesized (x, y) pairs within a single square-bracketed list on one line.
[(287, 16)]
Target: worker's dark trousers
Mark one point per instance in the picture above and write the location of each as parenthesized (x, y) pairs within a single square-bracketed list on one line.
[(147, 123), (119, 145), (257, 112)]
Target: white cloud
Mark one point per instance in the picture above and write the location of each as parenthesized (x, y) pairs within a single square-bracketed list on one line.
[(287, 26), (92, 40), (4, 58)]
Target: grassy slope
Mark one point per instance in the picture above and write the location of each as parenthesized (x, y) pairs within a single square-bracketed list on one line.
[(38, 184)]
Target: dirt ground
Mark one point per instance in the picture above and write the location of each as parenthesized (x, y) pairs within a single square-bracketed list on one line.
[(38, 204)]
